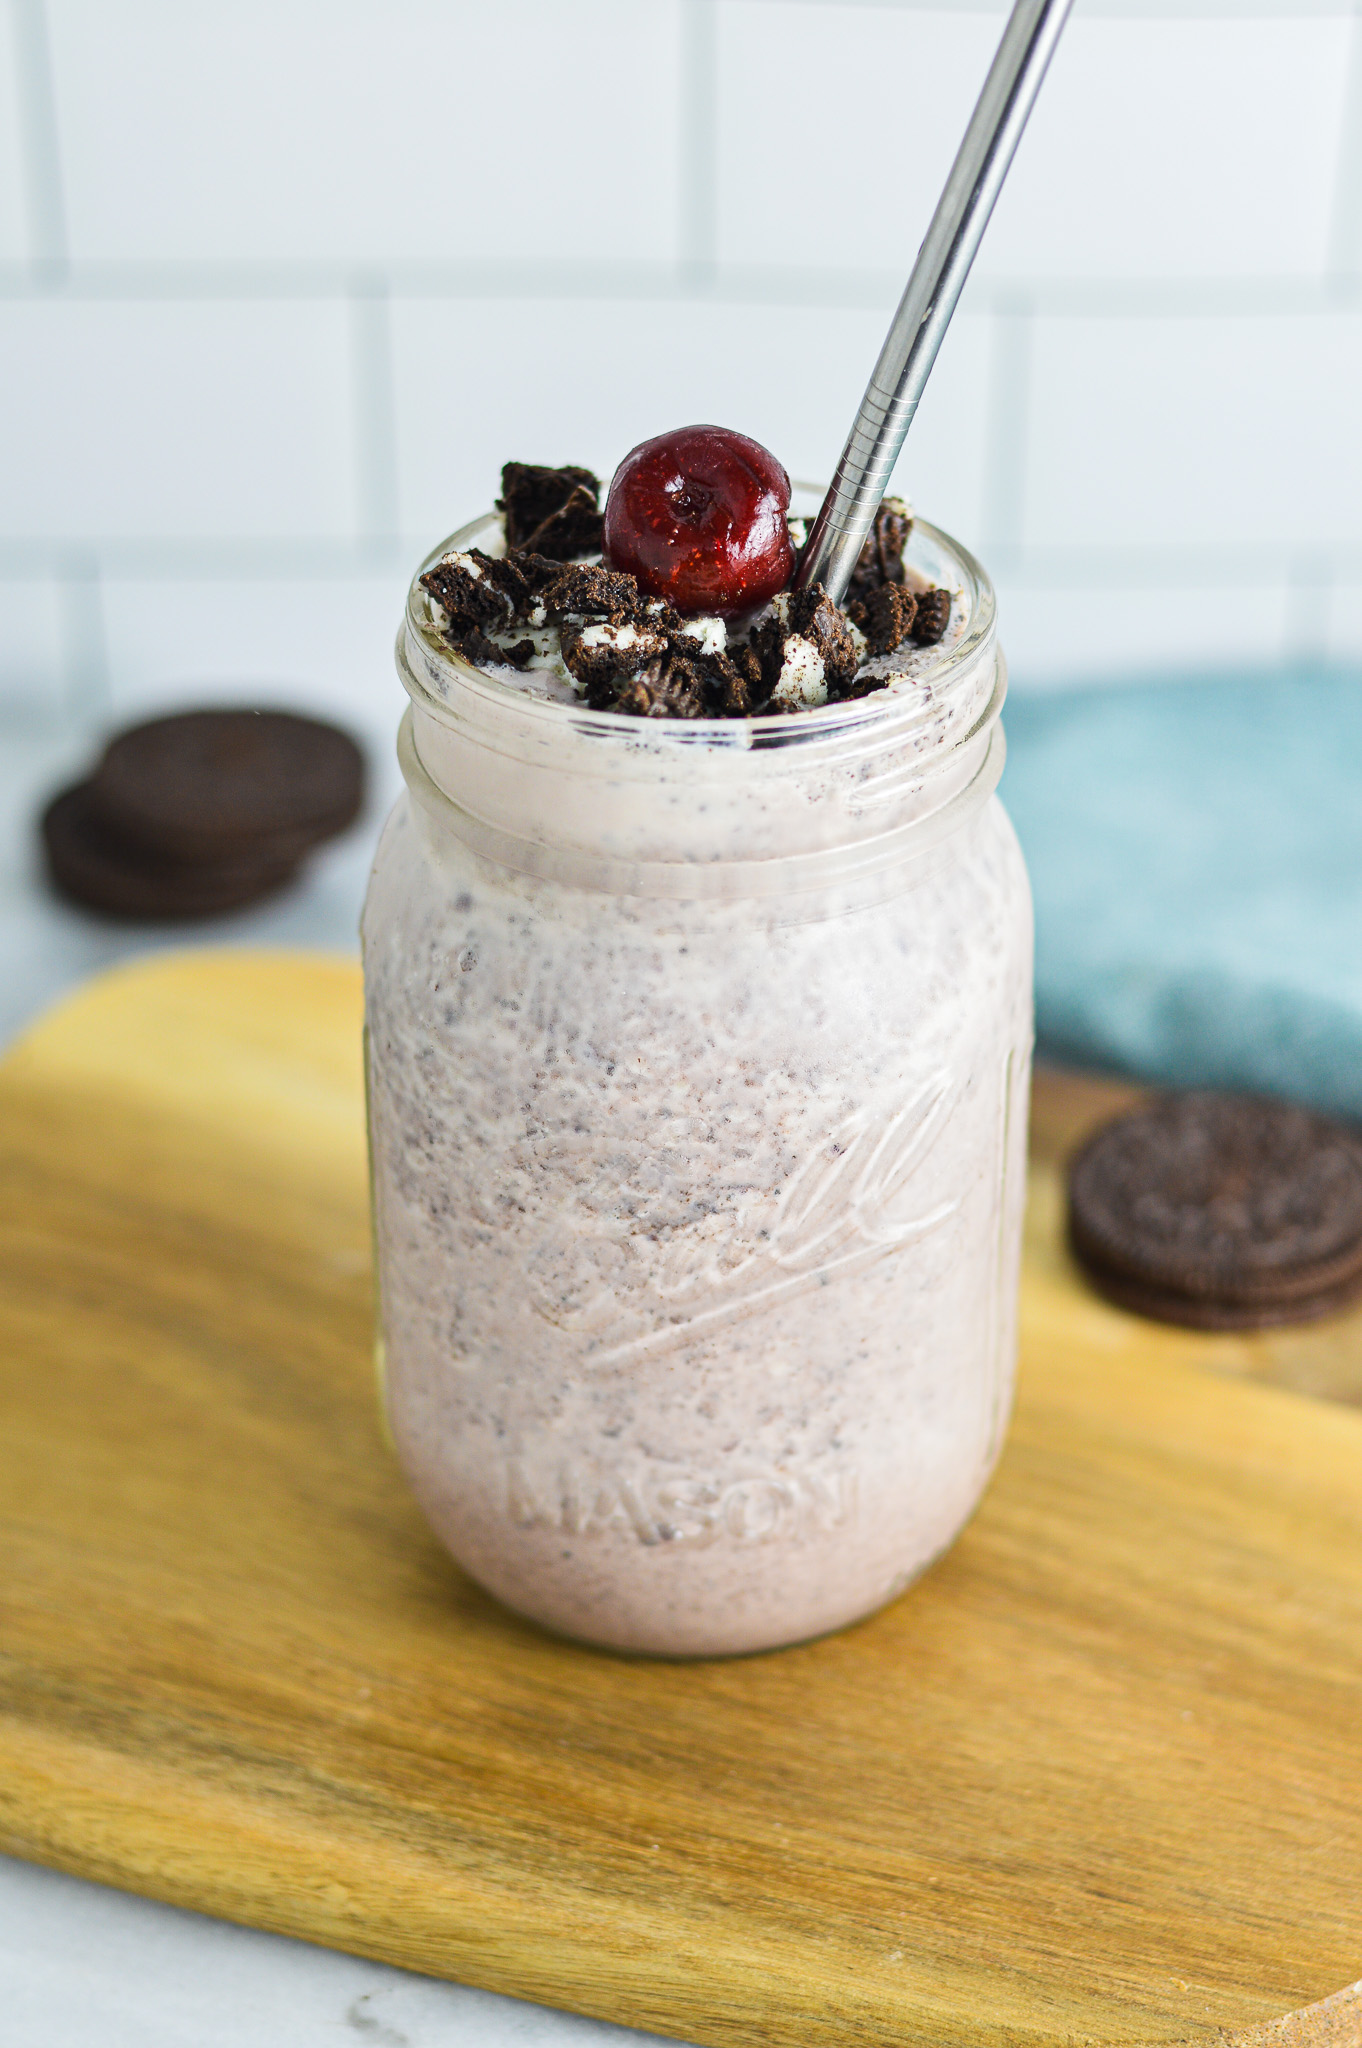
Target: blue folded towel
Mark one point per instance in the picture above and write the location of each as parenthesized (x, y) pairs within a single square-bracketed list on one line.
[(1196, 853)]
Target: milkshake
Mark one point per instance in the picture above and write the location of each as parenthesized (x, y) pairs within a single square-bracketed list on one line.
[(698, 1059)]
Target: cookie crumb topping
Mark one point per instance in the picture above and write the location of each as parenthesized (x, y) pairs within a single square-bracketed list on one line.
[(553, 512), (550, 603)]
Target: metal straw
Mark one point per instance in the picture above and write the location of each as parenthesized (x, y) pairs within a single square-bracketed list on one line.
[(943, 262)]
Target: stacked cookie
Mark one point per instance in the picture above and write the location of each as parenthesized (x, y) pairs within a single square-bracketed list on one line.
[(1223, 1212), (191, 816)]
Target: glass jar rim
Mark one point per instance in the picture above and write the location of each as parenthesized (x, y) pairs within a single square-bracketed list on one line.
[(770, 729)]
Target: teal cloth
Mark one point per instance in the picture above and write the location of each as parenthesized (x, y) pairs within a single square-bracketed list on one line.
[(1196, 854)]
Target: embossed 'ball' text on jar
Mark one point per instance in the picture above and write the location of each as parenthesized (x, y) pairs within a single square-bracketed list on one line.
[(698, 1064)]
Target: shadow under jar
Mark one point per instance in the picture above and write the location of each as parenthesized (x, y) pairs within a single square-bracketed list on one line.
[(698, 1064)]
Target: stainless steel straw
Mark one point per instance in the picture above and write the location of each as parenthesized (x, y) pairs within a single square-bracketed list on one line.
[(848, 511)]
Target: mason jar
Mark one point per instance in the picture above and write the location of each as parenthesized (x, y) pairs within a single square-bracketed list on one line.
[(698, 1066)]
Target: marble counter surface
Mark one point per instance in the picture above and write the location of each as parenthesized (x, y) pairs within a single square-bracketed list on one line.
[(84, 1967)]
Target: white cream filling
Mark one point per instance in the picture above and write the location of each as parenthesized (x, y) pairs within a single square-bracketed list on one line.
[(710, 635), (802, 680), (625, 639), (456, 559)]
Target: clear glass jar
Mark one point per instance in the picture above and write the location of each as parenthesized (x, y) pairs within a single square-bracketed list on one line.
[(698, 1064)]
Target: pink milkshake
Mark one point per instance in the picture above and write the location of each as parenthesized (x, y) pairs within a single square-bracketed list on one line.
[(698, 1052)]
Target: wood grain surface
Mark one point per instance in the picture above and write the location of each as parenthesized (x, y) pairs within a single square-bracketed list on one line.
[(1094, 1780)]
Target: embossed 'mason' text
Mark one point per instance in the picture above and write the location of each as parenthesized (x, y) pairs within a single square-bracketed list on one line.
[(666, 1507)]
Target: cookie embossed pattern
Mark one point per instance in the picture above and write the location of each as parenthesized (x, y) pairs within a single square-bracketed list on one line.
[(699, 1052)]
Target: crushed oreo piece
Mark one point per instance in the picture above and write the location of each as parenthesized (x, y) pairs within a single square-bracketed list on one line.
[(536, 572), (792, 673), (767, 649), (474, 646), (806, 650), (636, 654), (730, 687), (885, 616), (814, 616), (932, 617), (676, 691), (590, 591), (746, 664), (475, 590), (551, 512), (608, 652), (695, 635), (881, 559)]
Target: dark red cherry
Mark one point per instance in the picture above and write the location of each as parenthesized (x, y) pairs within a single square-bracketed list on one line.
[(698, 516)]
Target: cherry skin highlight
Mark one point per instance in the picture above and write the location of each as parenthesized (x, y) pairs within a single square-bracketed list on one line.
[(698, 516)]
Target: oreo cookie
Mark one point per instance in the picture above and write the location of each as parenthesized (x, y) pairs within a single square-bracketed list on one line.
[(931, 616), (234, 785), (94, 867), (881, 559), (1221, 1212), (885, 617), (552, 512)]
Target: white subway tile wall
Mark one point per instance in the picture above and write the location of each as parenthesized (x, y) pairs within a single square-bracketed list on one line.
[(390, 130), (282, 286), (1164, 432), (1191, 149), (835, 130), (1342, 611), (176, 420), (1149, 629), (565, 380), (302, 642)]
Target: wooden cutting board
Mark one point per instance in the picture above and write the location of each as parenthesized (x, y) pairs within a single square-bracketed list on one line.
[(1096, 1779)]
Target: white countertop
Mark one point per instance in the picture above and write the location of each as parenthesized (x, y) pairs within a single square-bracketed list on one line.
[(82, 1966), (85, 1967)]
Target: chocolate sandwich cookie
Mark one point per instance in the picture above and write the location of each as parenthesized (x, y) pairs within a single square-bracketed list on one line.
[(551, 512), (881, 559), (252, 787), (1223, 1212), (96, 868)]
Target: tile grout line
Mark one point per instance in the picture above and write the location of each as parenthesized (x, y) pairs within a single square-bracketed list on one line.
[(1008, 408), (1110, 10), (1307, 619), (1345, 223), (742, 284), (44, 189), (85, 654), (374, 410), (698, 196)]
